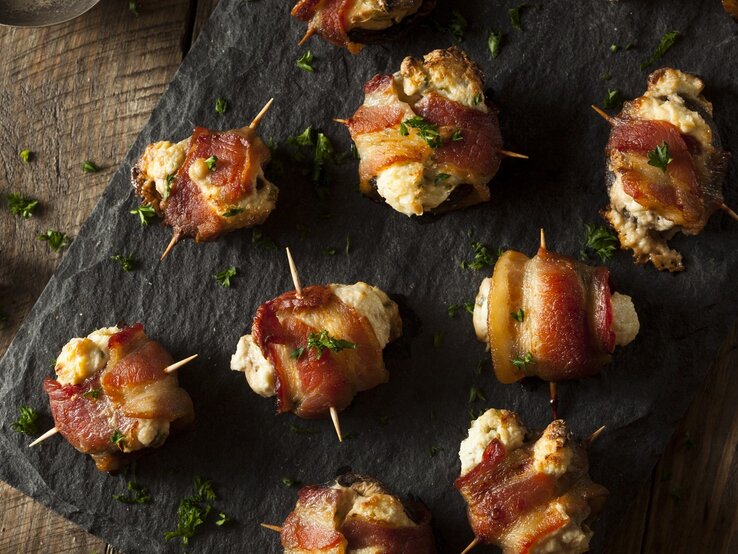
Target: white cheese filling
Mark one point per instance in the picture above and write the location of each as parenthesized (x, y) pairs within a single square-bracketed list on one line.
[(551, 453), (407, 188), (83, 357), (569, 539), (622, 202), (163, 159), (378, 14), (369, 301), (479, 317), (493, 424)]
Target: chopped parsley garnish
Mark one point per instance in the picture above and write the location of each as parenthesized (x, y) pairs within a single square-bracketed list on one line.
[(518, 315), (482, 257), (457, 136), (330, 251), (478, 98), (55, 239), (320, 341), (224, 277), (522, 361), (599, 241), (494, 43), (667, 41), (613, 100), (514, 15), (92, 394), (480, 366), (287, 482), (194, 510), (89, 167), (133, 7), (212, 163), (118, 439), (303, 139), (221, 106), (127, 263), (435, 450), (232, 212), (437, 339), (323, 152), (26, 422), (614, 48), (168, 190), (305, 62), (453, 310), (259, 238), (222, 520), (296, 354), (440, 178), (137, 494), (660, 156), (469, 307), (21, 206), (427, 131), (475, 393), (302, 430), (144, 213), (25, 155), (457, 26)]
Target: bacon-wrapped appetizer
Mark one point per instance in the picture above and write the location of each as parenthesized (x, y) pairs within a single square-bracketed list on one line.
[(316, 348), (356, 514), (551, 316), (354, 23), (731, 6), (208, 184), (665, 168), (427, 138), (528, 493), (112, 397)]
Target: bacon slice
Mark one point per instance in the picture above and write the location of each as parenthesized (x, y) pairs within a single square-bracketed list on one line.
[(130, 390), (566, 332), (519, 503), (330, 519), (309, 385), (731, 6)]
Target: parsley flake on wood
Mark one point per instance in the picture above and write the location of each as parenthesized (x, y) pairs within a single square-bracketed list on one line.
[(599, 241), (26, 422), (667, 41), (212, 163), (194, 510), (522, 361), (427, 131), (21, 206), (494, 43), (305, 62), (144, 213), (89, 167), (224, 277), (221, 106), (613, 100), (127, 263), (660, 156), (25, 155), (514, 15), (320, 341), (55, 239), (518, 315)]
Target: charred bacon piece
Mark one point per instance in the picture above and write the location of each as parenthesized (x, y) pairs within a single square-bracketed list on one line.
[(427, 138), (112, 398), (527, 492), (208, 184), (353, 23), (356, 514), (551, 316), (651, 200), (315, 350)]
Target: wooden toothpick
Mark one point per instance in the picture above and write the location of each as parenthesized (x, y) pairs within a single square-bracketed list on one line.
[(50, 433), (728, 211), (255, 123), (604, 115), (586, 443), (509, 154), (471, 546), (276, 528), (175, 366), (175, 239)]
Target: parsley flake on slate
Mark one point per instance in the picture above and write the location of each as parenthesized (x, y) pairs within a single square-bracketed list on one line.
[(320, 341), (302, 430), (667, 41), (518, 315), (453, 310), (434, 450), (514, 15), (427, 131), (600, 241), (660, 156), (475, 393), (494, 43), (137, 494), (21, 206), (25, 155), (482, 257), (194, 510), (469, 307), (55, 239), (212, 163), (26, 422), (457, 26), (287, 482), (522, 361), (144, 213), (89, 167), (133, 7), (440, 178), (222, 520), (224, 277), (305, 62), (613, 100), (221, 106), (127, 263), (614, 48)]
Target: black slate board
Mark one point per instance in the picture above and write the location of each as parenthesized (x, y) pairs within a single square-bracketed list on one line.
[(543, 82)]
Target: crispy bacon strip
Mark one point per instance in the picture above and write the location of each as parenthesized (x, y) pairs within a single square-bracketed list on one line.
[(566, 332), (311, 383), (325, 520), (129, 390), (517, 506), (328, 19)]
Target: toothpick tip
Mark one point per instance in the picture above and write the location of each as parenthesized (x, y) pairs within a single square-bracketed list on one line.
[(276, 528), (175, 366), (50, 433), (336, 423), (175, 239), (607, 117), (471, 546), (293, 272), (543, 240), (728, 211), (509, 154), (255, 123)]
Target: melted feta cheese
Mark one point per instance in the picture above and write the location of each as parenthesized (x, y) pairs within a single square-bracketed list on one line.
[(374, 305), (152, 432), (623, 202), (83, 357), (407, 188), (479, 318), (625, 322), (551, 453), (260, 373), (569, 539), (379, 508), (163, 159), (675, 112), (493, 424)]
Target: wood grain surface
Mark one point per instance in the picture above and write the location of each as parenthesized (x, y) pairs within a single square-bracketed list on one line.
[(82, 91)]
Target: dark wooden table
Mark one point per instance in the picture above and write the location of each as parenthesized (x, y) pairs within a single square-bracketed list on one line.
[(82, 91)]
